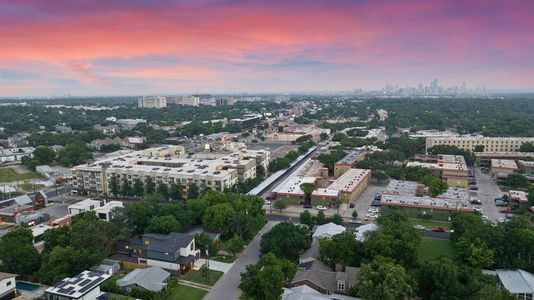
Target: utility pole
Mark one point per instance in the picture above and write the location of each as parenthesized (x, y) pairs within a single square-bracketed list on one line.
[(207, 266)]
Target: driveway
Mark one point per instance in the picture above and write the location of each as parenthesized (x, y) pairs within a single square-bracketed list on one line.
[(227, 287), (487, 192), (216, 265)]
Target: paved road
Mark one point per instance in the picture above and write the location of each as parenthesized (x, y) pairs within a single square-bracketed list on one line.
[(227, 287), (488, 191)]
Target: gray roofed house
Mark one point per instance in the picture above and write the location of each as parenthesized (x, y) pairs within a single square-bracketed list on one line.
[(152, 279), (517, 282), (321, 278), (23, 200), (107, 266), (175, 251)]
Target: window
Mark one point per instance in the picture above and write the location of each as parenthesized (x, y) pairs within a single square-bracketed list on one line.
[(147, 242), (341, 285), (8, 283), (192, 246)]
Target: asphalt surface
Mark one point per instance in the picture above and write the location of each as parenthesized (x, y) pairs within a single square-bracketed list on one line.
[(488, 191), (227, 287)]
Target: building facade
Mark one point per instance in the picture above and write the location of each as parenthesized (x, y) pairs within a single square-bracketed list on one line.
[(152, 102), (491, 144), (169, 165)]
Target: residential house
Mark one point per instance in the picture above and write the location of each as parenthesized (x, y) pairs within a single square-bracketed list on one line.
[(321, 278), (7, 286), (108, 129), (15, 155), (153, 279), (84, 286), (328, 230), (106, 212), (518, 282), (63, 129), (175, 251)]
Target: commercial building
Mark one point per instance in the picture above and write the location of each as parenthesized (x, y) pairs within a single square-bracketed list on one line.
[(225, 101), (169, 165), (526, 166), (85, 206), (346, 188), (518, 198), (351, 184), (409, 197), (346, 162), (152, 102), (84, 286), (452, 169), (491, 144), (286, 137), (484, 158), (503, 166)]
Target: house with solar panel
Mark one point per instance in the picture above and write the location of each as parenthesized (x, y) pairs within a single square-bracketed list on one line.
[(84, 286), (175, 251)]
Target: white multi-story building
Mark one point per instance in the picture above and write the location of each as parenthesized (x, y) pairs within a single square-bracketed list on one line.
[(491, 144), (152, 102), (169, 165)]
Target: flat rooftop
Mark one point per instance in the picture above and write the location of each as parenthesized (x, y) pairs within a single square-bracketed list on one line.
[(503, 163), (172, 161), (328, 193), (512, 154), (350, 158), (78, 285), (402, 187), (349, 180), (526, 163), (85, 204), (425, 202), (292, 186), (518, 195)]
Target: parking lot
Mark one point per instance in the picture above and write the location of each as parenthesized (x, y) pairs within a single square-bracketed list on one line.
[(487, 192)]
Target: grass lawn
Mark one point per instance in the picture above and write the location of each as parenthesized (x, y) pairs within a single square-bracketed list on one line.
[(197, 276), (429, 224), (29, 187), (224, 258), (10, 175), (430, 249), (185, 292)]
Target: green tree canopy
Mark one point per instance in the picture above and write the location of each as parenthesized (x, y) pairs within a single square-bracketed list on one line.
[(382, 279), (286, 240), (17, 252), (163, 225)]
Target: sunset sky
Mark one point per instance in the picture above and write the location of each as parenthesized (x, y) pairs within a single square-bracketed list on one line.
[(132, 47)]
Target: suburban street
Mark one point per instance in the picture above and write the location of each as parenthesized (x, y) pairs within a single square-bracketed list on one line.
[(488, 191), (227, 287)]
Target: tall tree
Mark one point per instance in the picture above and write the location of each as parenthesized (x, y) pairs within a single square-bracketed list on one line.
[(176, 191), (439, 280), (193, 191), (138, 188), (163, 225), (280, 204), (286, 240), (306, 218), (516, 180), (382, 279), (437, 187), (17, 252), (266, 279), (219, 217), (150, 186), (163, 190), (114, 185), (127, 190)]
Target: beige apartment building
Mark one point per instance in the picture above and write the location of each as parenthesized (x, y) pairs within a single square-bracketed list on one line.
[(491, 144), (169, 165), (152, 102), (452, 169)]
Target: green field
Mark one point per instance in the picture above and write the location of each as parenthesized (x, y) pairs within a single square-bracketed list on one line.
[(197, 276), (10, 175), (185, 292), (429, 224), (430, 249), (29, 187)]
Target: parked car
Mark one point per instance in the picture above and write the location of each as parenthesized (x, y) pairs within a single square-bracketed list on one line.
[(475, 201), (479, 210), (351, 205), (472, 182), (501, 203), (421, 227), (354, 221), (266, 202), (371, 216), (473, 187), (373, 210), (484, 170), (484, 217), (438, 229), (320, 207), (500, 220)]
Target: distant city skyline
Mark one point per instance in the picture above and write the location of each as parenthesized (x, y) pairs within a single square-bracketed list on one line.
[(97, 48)]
